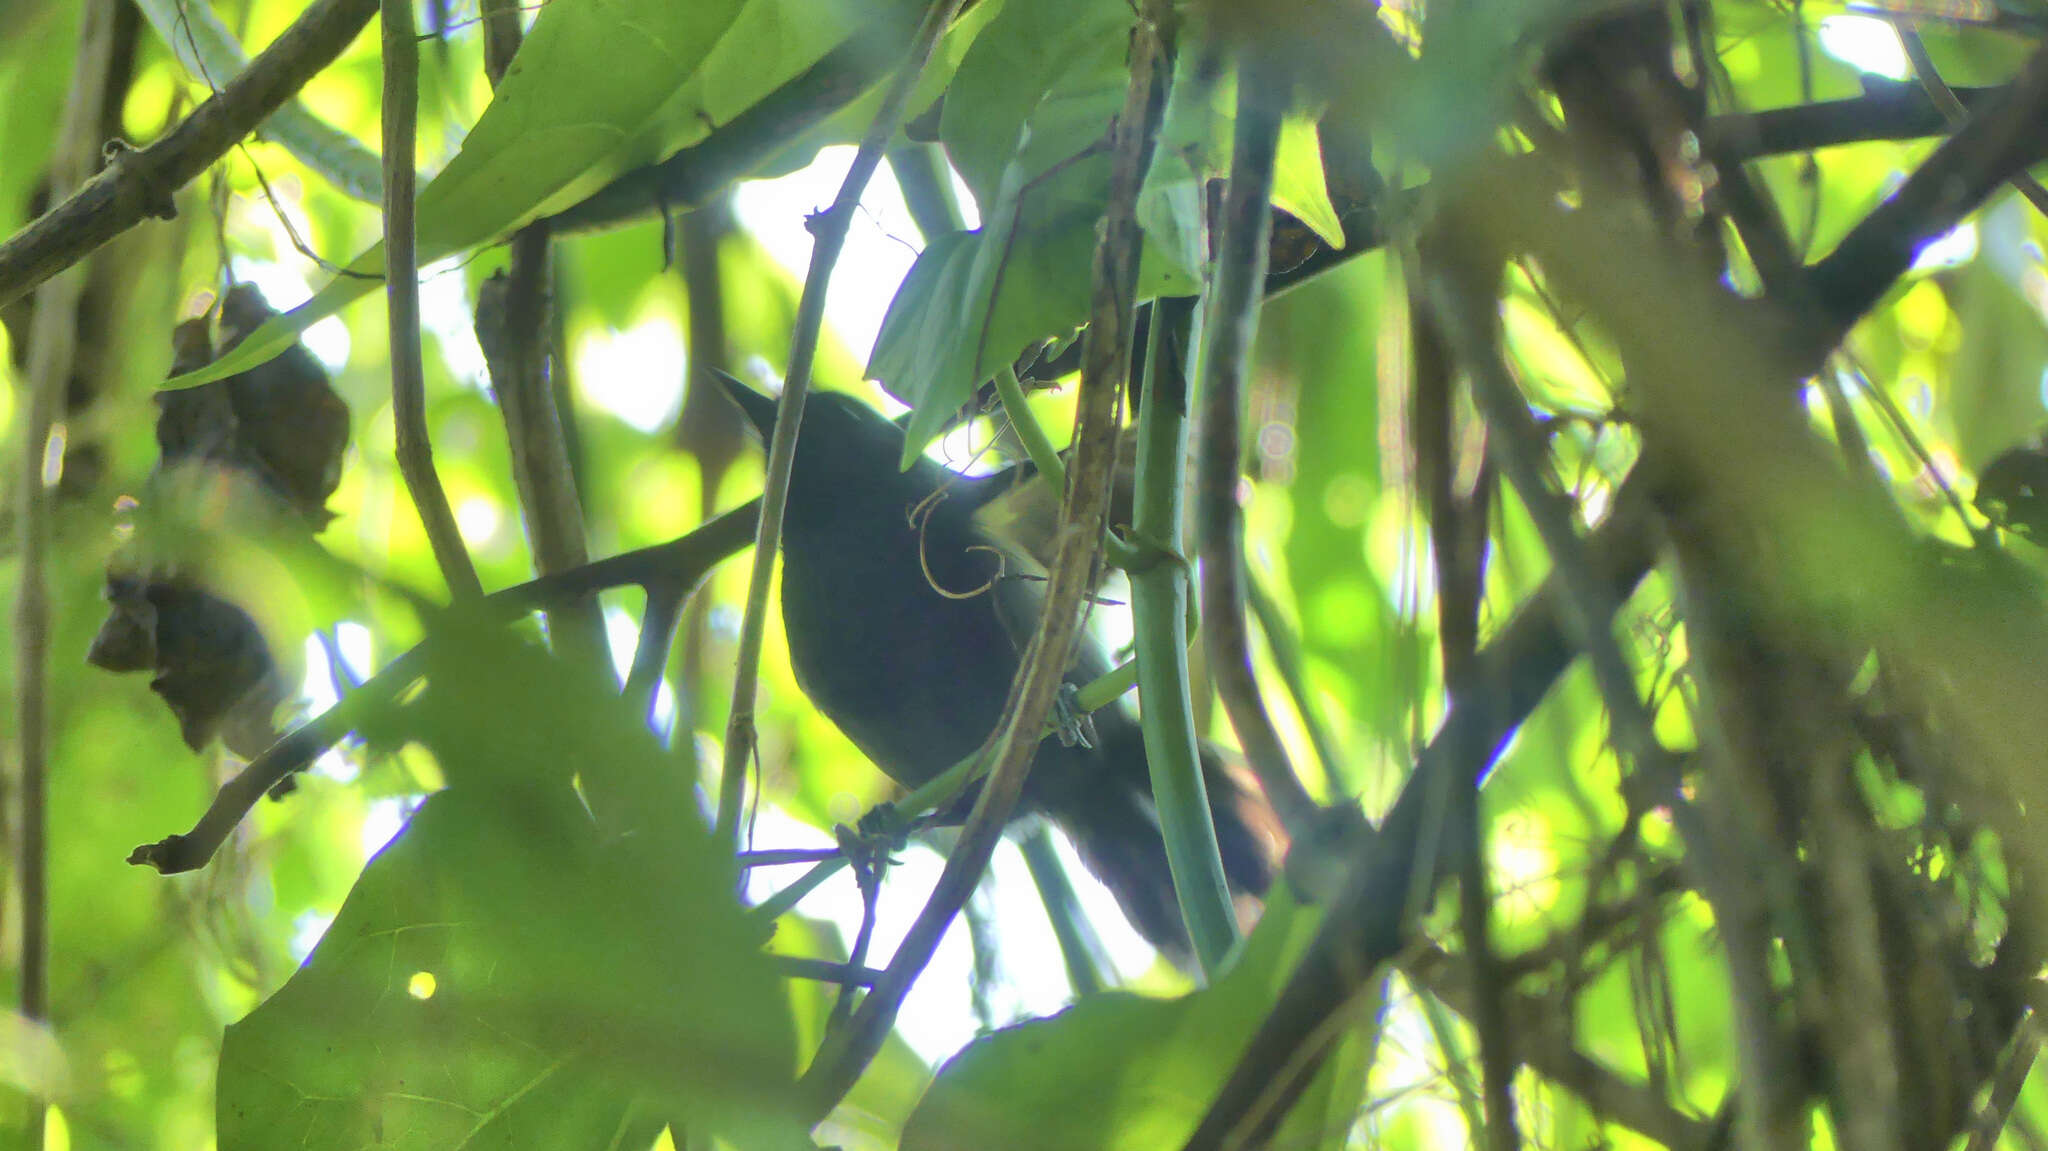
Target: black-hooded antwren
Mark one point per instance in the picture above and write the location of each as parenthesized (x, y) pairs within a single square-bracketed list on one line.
[(906, 624)]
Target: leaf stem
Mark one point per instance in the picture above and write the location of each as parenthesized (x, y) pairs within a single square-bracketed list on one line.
[(1037, 444)]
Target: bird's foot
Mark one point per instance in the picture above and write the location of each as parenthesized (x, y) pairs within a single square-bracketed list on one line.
[(1074, 724), (870, 847)]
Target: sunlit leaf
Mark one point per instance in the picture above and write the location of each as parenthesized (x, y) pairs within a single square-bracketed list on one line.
[(1115, 1070), (513, 970)]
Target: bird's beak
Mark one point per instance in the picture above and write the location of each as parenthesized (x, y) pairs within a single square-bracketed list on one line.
[(760, 409)]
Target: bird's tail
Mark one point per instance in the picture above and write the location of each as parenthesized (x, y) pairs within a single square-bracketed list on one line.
[(1116, 831)]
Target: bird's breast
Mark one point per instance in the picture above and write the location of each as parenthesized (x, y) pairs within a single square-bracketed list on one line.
[(914, 676)]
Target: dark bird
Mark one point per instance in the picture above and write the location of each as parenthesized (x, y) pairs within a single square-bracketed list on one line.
[(906, 626)]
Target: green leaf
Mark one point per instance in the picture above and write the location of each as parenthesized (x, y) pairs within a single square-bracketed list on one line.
[(850, 123), (1115, 1071), (1056, 68), (210, 52), (1298, 184), (1994, 387), (550, 137), (975, 300), (514, 971)]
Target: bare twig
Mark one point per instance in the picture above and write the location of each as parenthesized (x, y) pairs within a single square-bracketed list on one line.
[(828, 229), (709, 427), (512, 327), (2013, 1067), (1534, 1028), (1105, 362), (678, 563), (140, 184), (650, 655), (1285, 647), (826, 971), (1079, 948), (1226, 348), (2002, 137), (402, 297)]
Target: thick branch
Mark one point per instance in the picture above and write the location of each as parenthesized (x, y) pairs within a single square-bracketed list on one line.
[(139, 184), (2003, 137)]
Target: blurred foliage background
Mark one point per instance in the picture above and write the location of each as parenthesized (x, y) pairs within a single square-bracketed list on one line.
[(146, 971)]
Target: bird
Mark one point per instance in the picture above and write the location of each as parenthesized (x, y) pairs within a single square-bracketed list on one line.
[(906, 623)]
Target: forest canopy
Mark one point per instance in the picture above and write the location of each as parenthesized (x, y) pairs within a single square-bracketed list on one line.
[(1023, 574)]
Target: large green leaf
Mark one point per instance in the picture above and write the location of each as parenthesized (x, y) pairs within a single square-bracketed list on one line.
[(514, 971), (1033, 96), (598, 88), (1114, 1071), (210, 52), (1055, 68), (975, 300)]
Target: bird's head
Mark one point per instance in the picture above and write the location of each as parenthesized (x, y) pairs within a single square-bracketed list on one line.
[(847, 453)]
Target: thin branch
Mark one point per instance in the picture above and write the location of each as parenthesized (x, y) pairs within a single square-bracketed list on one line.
[(1232, 319), (140, 184), (1079, 948), (650, 654), (678, 563), (1953, 111), (1105, 364), (829, 230), (1889, 111), (1285, 647), (52, 344), (826, 971), (922, 173), (1367, 923), (784, 857), (402, 298), (512, 326), (502, 34), (2001, 138), (2014, 1065), (1538, 1042)]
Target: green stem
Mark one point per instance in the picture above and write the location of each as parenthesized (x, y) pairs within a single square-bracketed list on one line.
[(1286, 649), (939, 791), (1030, 432), (1069, 926), (927, 185), (1159, 602)]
